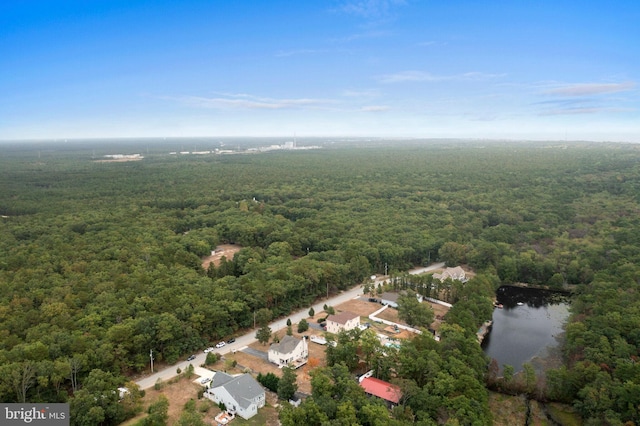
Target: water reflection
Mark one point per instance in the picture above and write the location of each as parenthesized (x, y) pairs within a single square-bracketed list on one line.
[(526, 327)]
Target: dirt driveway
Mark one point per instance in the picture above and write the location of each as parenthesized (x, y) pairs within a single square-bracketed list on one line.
[(360, 307), (178, 394), (226, 250)]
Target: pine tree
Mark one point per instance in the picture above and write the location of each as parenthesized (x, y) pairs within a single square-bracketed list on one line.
[(287, 386), (263, 334)]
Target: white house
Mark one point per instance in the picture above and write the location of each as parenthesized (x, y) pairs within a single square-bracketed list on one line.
[(290, 351), (456, 273), (242, 395), (343, 321)]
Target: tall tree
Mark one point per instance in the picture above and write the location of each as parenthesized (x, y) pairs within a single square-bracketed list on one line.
[(413, 312), (287, 385), (263, 334)]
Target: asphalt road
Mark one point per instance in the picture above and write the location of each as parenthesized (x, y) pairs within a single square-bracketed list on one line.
[(250, 337)]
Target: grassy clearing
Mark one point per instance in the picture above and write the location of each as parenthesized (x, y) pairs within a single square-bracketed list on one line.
[(507, 410), (510, 410), (563, 414)]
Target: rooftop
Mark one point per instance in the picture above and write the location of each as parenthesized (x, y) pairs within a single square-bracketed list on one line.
[(381, 389), (342, 317), (392, 297), (243, 388), (286, 345)]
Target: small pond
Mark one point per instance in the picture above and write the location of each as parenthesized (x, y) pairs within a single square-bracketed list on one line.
[(527, 328)]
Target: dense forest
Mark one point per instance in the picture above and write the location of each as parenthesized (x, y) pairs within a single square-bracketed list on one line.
[(101, 261)]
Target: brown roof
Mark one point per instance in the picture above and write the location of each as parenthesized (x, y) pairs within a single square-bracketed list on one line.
[(342, 317)]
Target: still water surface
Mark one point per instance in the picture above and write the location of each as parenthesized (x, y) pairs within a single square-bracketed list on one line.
[(526, 328)]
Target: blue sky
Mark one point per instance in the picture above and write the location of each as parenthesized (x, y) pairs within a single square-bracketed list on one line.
[(383, 68)]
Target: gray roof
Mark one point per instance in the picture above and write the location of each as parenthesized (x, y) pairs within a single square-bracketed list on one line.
[(392, 297), (286, 345), (244, 388)]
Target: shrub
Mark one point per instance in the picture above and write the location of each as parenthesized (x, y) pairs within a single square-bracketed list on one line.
[(303, 326), (189, 371), (190, 405), (212, 358), (269, 381)]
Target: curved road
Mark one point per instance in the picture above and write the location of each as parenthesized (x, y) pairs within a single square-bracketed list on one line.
[(250, 337)]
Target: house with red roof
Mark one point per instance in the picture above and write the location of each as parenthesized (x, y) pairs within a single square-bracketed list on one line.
[(390, 393)]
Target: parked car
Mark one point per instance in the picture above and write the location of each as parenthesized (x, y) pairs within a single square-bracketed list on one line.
[(209, 349), (221, 344), (191, 358), (230, 341), (205, 380)]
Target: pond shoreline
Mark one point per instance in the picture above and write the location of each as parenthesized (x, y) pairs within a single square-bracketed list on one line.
[(567, 288), (528, 327)]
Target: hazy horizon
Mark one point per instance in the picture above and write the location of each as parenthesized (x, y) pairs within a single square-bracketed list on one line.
[(552, 71)]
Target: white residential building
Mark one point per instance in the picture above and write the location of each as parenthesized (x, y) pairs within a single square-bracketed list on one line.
[(456, 273), (242, 395), (343, 321), (291, 351)]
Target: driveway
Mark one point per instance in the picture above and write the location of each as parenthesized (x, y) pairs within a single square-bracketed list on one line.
[(256, 353)]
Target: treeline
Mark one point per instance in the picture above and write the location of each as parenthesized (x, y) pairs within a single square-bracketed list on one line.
[(100, 262), (602, 375)]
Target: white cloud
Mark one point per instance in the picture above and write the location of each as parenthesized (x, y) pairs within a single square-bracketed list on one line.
[(370, 8), (584, 98), (375, 108), (584, 110), (421, 76), (431, 43), (244, 101), (363, 35), (361, 93), (588, 89), (285, 53)]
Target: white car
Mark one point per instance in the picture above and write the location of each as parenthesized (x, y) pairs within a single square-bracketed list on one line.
[(209, 349), (221, 344), (205, 380)]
